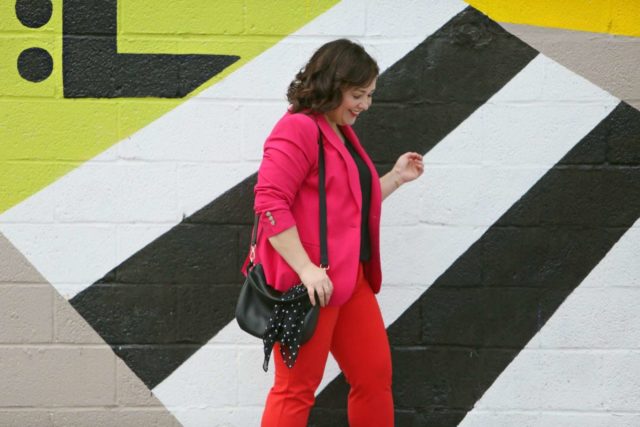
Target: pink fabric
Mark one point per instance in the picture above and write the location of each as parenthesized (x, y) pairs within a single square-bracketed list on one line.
[(287, 189)]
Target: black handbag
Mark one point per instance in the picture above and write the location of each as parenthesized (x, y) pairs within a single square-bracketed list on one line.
[(257, 299)]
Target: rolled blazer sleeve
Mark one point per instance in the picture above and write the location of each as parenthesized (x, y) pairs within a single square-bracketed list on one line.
[(289, 153)]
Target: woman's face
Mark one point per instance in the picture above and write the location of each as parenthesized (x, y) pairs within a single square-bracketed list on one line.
[(355, 100)]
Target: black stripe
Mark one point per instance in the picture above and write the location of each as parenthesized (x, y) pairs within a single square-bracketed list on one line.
[(454, 341), (93, 68), (434, 88), (162, 304)]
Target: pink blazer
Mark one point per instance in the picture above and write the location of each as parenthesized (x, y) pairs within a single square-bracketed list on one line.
[(287, 188)]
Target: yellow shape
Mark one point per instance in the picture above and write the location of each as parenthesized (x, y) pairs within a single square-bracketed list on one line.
[(43, 135), (620, 17), (625, 17)]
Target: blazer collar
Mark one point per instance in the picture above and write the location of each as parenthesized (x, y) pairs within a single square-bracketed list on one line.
[(352, 170)]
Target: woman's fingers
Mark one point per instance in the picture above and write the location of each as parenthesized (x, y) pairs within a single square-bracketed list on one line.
[(320, 291), (312, 296), (321, 296), (328, 290), (324, 290)]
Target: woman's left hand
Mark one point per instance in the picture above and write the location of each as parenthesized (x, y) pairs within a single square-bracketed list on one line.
[(408, 167)]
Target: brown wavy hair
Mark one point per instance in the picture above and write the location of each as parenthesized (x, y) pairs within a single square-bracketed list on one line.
[(337, 65)]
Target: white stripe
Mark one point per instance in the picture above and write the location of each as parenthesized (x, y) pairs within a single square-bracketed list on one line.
[(80, 227), (471, 178), (584, 359)]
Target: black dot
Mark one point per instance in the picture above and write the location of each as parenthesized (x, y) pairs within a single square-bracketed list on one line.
[(34, 13), (35, 64)]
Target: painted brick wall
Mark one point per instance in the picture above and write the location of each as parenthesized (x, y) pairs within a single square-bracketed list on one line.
[(130, 134)]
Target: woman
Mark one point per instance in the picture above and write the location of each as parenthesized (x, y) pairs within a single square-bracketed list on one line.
[(326, 97)]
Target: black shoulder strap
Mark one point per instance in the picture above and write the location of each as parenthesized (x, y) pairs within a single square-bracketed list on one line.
[(324, 255)]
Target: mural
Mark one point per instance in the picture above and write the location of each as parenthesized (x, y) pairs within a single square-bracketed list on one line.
[(93, 82), (508, 269)]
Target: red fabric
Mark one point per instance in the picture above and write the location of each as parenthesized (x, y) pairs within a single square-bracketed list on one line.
[(286, 194), (356, 336)]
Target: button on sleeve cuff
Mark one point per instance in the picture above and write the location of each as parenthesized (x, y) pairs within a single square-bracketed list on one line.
[(276, 221)]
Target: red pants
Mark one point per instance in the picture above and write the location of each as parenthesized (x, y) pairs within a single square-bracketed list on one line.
[(356, 336)]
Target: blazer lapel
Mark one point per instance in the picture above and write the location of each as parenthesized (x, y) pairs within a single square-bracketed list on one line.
[(352, 170)]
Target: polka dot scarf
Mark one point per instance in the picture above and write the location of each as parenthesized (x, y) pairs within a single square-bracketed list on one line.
[(285, 326)]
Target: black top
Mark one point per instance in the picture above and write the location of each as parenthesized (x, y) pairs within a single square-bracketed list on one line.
[(365, 186)]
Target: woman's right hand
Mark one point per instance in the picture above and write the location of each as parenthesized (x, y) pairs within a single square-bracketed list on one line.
[(315, 278)]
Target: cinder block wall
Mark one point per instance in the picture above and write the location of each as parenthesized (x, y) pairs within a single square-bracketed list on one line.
[(130, 134)]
